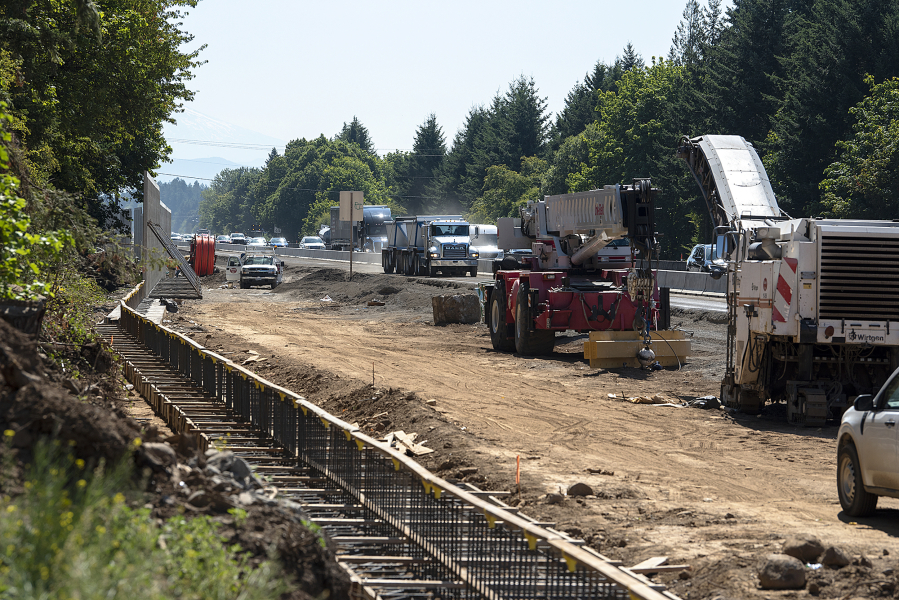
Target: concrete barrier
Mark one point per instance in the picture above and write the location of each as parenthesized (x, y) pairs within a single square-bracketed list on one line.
[(674, 279)]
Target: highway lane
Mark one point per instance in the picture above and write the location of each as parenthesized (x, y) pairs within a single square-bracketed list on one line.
[(685, 301)]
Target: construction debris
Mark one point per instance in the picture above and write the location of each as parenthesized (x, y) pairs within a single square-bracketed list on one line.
[(406, 443)]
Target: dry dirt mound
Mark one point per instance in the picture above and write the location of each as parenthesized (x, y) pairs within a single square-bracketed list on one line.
[(34, 404), (315, 284)]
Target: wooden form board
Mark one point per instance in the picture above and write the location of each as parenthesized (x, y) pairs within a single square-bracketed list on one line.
[(617, 349)]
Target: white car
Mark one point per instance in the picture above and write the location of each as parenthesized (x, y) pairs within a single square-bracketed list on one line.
[(867, 448), (311, 242)]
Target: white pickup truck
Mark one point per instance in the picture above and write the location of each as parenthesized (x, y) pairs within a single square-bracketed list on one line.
[(259, 266)]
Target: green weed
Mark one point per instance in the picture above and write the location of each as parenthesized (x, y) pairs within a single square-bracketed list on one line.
[(71, 535)]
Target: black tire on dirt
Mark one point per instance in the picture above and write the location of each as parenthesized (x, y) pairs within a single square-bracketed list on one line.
[(243, 285), (274, 284), (496, 321), (387, 259), (432, 271), (527, 342), (855, 500), (410, 265), (473, 271)]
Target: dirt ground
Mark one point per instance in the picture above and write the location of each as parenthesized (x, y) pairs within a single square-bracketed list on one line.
[(707, 488)]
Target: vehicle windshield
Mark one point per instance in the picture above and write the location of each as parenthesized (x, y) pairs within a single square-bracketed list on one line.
[(279, 240), (312, 240), (257, 240), (258, 260), (487, 239), (461, 230), (237, 235)]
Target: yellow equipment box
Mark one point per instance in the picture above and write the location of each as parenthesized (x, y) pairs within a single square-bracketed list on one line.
[(617, 349)]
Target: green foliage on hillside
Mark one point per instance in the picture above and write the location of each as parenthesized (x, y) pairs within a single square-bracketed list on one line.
[(864, 182), (71, 534), (89, 84)]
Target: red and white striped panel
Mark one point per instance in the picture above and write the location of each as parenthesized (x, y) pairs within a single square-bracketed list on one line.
[(783, 296)]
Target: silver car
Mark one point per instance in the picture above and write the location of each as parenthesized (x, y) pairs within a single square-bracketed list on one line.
[(311, 242)]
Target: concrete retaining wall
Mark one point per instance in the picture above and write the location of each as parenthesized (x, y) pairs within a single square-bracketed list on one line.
[(695, 282), (157, 212)]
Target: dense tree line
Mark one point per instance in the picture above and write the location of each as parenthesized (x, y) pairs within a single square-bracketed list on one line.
[(808, 82), (85, 86), (183, 199), (88, 84)]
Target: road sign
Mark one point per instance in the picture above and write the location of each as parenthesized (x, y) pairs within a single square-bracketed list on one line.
[(277, 230), (351, 206)]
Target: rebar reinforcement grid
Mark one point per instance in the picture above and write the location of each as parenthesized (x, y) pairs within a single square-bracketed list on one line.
[(487, 550)]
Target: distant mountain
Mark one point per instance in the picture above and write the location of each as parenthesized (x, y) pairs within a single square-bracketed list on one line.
[(196, 136)]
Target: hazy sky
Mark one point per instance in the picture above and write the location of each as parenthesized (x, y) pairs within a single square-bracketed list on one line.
[(291, 69)]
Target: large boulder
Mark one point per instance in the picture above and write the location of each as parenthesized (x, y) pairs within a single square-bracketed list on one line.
[(456, 308), (782, 572), (835, 557), (805, 547)]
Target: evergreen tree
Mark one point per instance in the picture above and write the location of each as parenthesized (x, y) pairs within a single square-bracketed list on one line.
[(741, 93), (832, 46), (428, 153), (630, 59), (453, 177), (528, 122), (356, 133)]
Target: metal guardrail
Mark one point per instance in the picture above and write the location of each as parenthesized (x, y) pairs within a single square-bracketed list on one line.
[(495, 552), (176, 254)]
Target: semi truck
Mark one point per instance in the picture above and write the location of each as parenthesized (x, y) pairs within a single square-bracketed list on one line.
[(428, 245), (367, 235), (563, 284), (813, 308)]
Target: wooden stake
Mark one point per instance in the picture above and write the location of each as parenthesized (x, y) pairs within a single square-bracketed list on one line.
[(372, 375), (518, 474)]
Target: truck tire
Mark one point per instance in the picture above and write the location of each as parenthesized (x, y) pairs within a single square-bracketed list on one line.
[(473, 271), (409, 261), (387, 259), (243, 285), (432, 271), (496, 321), (527, 342), (856, 502)]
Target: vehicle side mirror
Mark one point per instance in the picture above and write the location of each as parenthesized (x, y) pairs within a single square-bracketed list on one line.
[(724, 245), (716, 273), (282, 263), (864, 402)]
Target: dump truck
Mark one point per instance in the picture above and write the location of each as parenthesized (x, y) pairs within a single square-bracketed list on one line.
[(813, 309), (367, 235), (563, 284), (428, 245)]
